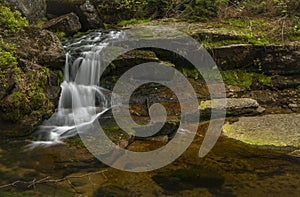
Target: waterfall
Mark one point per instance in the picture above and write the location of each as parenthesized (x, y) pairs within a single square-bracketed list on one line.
[(80, 89)]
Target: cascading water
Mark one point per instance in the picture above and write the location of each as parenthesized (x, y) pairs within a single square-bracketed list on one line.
[(80, 89)]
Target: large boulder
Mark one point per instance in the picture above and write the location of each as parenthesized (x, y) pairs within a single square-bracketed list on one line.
[(40, 46), (30, 89), (68, 23), (31, 9)]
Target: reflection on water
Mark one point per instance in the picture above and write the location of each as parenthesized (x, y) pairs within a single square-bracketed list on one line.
[(230, 169)]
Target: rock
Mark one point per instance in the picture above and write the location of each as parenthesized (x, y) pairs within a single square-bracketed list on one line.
[(42, 47), (91, 15), (31, 9), (279, 59), (32, 91), (294, 107), (68, 23), (84, 9), (234, 56), (271, 59), (28, 103), (280, 130), (234, 107), (161, 138)]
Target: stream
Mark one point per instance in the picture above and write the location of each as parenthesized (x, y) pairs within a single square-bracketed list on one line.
[(58, 164)]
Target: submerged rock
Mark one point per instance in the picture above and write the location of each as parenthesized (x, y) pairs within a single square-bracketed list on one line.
[(281, 130)]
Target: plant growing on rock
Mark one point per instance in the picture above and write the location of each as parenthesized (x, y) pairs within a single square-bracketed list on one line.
[(11, 21)]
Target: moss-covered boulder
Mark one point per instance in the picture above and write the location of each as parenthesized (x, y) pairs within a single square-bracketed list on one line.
[(29, 88), (281, 130), (40, 46)]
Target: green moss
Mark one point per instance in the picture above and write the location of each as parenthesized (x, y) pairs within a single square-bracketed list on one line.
[(237, 77), (75, 141), (28, 99), (16, 107), (295, 38), (7, 54), (263, 79), (61, 35), (191, 73), (11, 21), (243, 78), (209, 43), (60, 78), (132, 21), (11, 194)]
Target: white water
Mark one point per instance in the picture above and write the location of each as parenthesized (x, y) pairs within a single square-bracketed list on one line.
[(80, 89)]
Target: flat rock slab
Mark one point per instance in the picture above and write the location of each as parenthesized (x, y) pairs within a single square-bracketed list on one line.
[(234, 106), (282, 130)]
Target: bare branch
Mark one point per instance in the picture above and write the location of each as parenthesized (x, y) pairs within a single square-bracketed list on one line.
[(47, 179)]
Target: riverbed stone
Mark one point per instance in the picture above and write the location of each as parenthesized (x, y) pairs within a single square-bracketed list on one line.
[(234, 107), (281, 130)]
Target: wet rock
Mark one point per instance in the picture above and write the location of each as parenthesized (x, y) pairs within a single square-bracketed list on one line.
[(281, 130), (31, 9), (234, 107), (68, 23)]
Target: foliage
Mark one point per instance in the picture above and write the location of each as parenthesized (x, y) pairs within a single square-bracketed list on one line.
[(243, 78), (11, 21)]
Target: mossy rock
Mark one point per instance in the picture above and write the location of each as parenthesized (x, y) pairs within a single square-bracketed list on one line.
[(262, 131)]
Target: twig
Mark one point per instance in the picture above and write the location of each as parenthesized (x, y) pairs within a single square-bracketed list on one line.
[(47, 179)]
